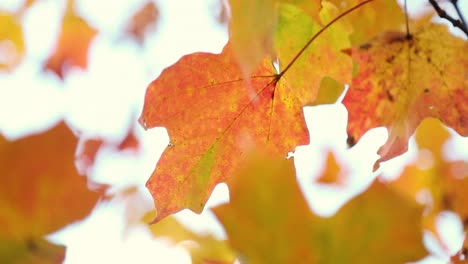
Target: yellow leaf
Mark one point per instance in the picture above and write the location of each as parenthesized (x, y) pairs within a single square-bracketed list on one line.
[(402, 80), (269, 221), (11, 41), (204, 248)]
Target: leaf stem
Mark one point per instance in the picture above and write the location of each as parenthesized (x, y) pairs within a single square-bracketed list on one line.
[(455, 22), (408, 34), (318, 34)]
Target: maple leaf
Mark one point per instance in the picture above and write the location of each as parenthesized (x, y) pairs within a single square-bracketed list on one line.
[(41, 190), (252, 28), (142, 21), (11, 41), (207, 249), (402, 80), (210, 137), (446, 181), (233, 113), (72, 46), (322, 59), (265, 200), (371, 20)]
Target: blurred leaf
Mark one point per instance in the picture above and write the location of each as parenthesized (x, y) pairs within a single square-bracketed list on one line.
[(12, 45), (88, 150), (222, 13), (130, 142), (89, 147), (251, 31), (446, 181), (204, 249), (269, 221), (31, 251), (332, 171), (41, 190), (71, 49), (371, 19), (329, 92), (144, 20), (253, 25)]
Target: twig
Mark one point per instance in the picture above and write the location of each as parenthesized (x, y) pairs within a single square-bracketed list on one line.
[(455, 22), (460, 15)]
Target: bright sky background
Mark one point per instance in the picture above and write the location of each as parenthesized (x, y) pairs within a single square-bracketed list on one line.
[(106, 99)]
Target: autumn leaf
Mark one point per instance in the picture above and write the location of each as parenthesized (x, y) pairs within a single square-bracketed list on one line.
[(32, 251), (88, 148), (203, 248), (12, 46), (142, 21), (251, 31), (265, 200), (402, 80), (222, 12), (329, 92), (372, 19), (310, 7), (234, 113), (322, 59), (130, 142), (71, 49), (27, 4), (252, 28), (41, 191), (209, 138), (446, 181), (460, 256), (332, 171)]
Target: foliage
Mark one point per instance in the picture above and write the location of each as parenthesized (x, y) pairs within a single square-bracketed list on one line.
[(233, 117)]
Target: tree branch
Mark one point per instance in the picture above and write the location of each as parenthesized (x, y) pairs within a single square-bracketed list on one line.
[(460, 15), (455, 22)]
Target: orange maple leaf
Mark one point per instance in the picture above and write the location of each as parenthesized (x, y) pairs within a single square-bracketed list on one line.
[(265, 200), (214, 117), (40, 192), (72, 45), (402, 80)]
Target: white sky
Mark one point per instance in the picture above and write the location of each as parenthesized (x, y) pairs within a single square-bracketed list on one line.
[(106, 98)]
